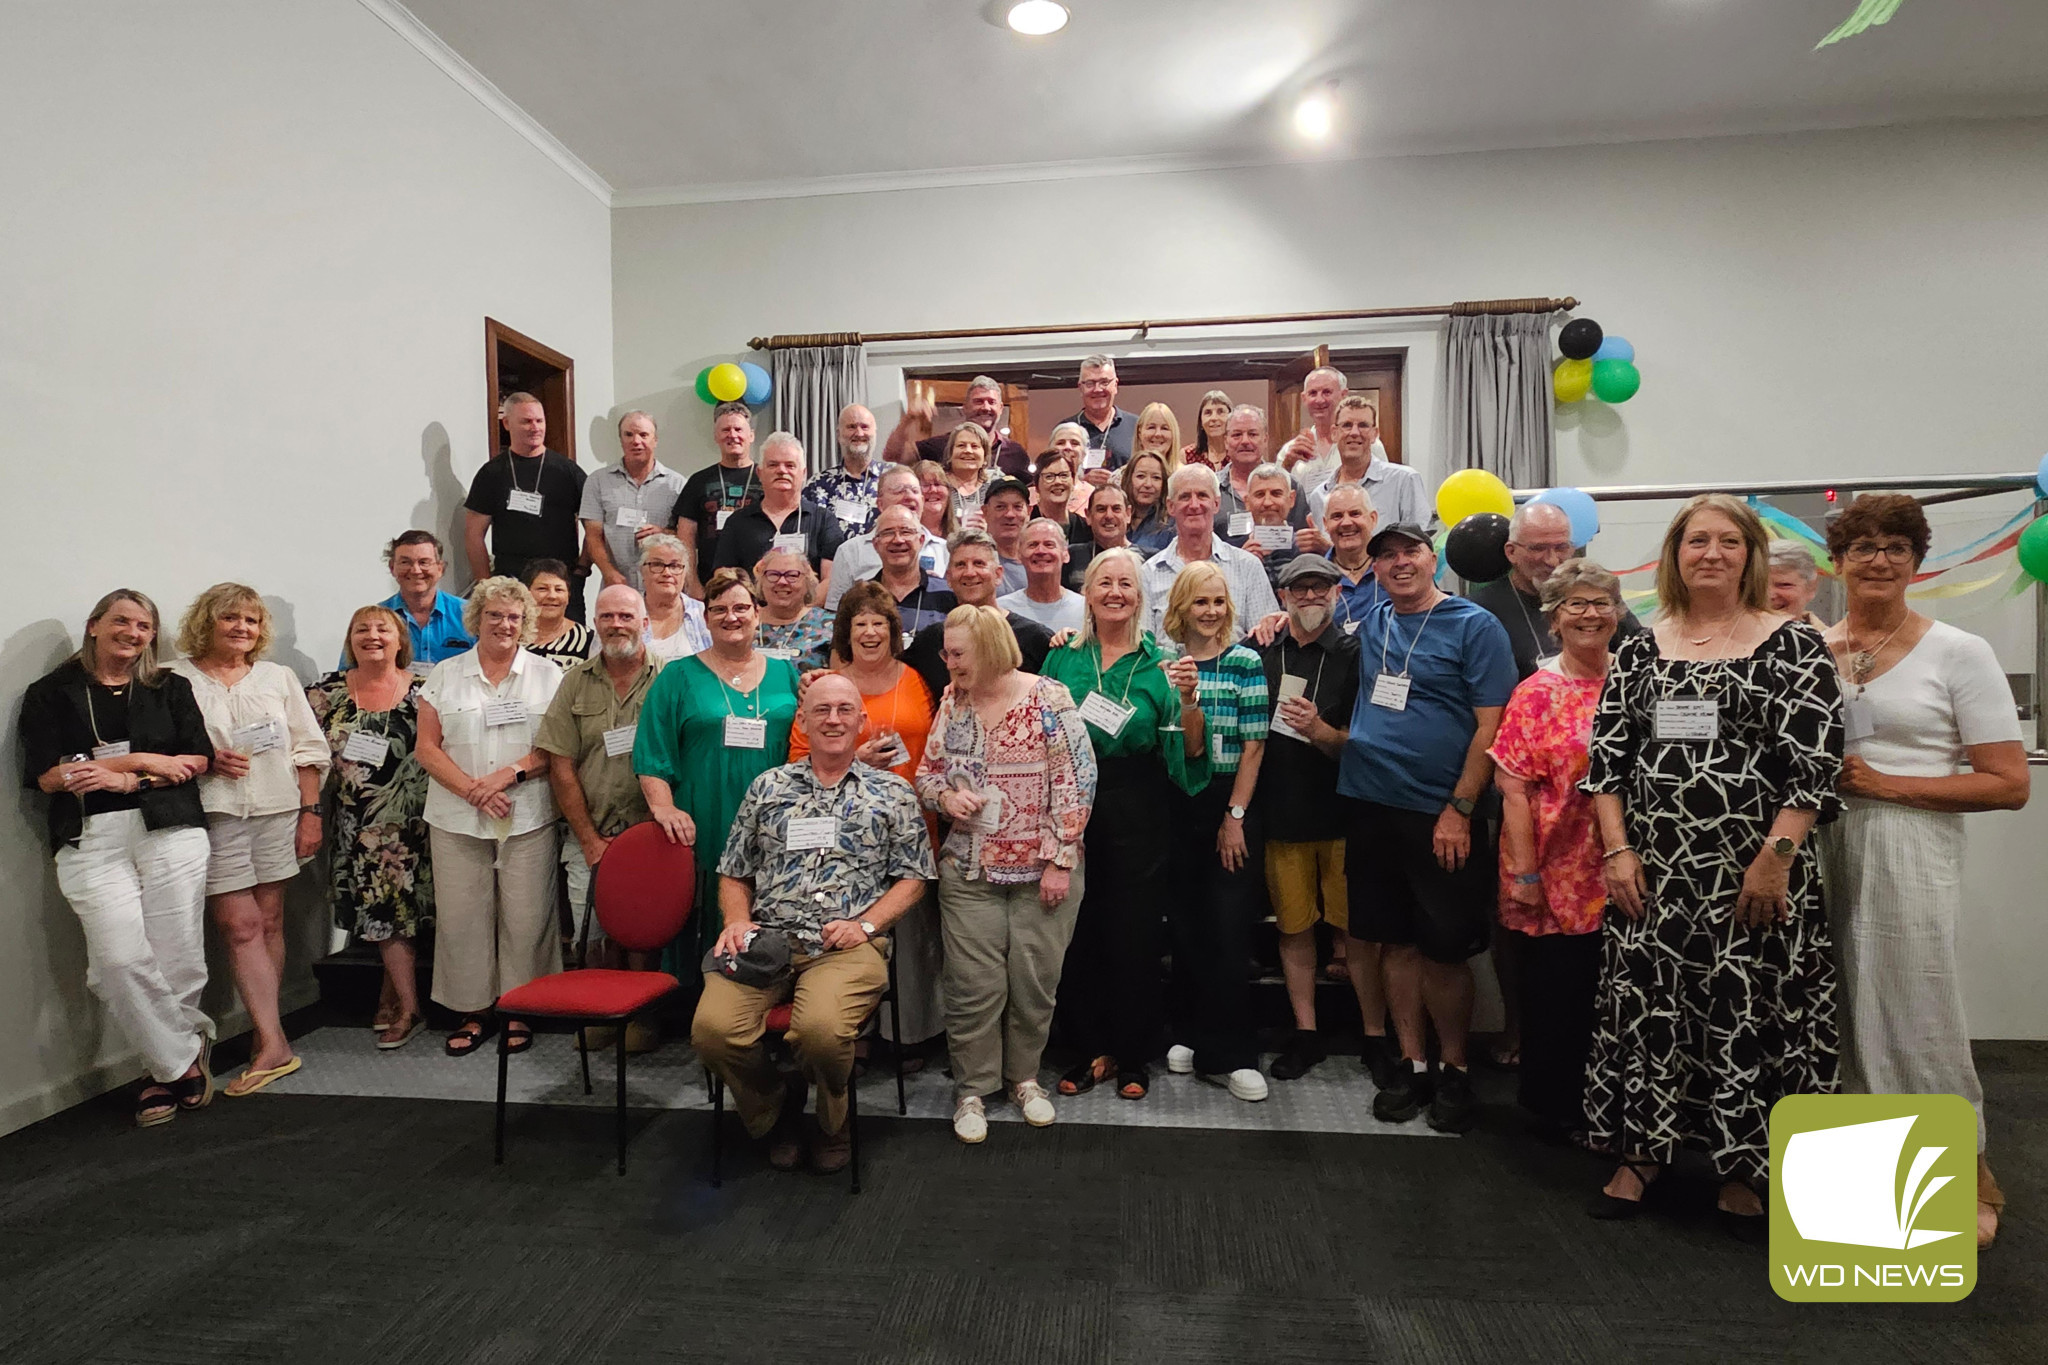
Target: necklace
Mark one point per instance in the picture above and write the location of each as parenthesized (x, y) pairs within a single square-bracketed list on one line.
[(1726, 631), (1862, 661)]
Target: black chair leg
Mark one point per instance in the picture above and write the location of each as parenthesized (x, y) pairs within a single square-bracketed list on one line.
[(717, 1126), (896, 1039), (504, 1057), (620, 1043), (583, 1051), (853, 1130)]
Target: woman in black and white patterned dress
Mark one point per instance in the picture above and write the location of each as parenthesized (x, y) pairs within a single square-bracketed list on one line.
[(1715, 751)]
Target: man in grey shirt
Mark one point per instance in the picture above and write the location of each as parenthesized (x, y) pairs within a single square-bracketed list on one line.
[(625, 503), (1043, 598)]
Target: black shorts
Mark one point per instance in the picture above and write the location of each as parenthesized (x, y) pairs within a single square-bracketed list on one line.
[(1400, 895)]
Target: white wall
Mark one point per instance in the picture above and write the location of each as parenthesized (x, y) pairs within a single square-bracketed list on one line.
[(249, 250), (1825, 305)]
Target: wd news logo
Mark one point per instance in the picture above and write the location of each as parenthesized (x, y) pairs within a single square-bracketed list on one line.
[(1873, 1198)]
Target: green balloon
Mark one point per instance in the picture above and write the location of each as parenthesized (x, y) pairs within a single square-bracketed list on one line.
[(2034, 550), (1615, 381), (704, 386)]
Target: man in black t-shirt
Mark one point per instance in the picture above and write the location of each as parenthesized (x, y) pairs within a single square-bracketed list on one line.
[(974, 573), (526, 502), (783, 517), (710, 496)]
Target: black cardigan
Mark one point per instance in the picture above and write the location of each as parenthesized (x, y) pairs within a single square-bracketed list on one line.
[(163, 719)]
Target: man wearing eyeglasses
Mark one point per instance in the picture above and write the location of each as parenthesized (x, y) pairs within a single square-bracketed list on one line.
[(1539, 539), (1109, 427)]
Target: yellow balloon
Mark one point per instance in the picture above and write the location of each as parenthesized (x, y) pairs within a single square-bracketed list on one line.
[(1469, 491), (1571, 380), (727, 382)]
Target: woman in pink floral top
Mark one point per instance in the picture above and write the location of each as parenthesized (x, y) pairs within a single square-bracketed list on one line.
[(1009, 762), (1551, 891)]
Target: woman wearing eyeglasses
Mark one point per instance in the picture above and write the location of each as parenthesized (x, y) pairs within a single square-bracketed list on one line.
[(791, 628), (1932, 734), (675, 620), (1551, 893)]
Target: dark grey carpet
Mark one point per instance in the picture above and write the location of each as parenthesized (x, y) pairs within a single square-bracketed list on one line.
[(346, 1230)]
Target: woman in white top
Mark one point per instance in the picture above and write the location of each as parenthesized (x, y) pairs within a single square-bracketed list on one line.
[(262, 801), (490, 816), (1932, 734), (675, 620)]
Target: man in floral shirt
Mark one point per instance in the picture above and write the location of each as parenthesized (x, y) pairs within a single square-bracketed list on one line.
[(848, 492), (829, 853)]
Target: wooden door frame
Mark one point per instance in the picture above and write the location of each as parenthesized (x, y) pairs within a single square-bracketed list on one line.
[(1016, 403), (497, 333)]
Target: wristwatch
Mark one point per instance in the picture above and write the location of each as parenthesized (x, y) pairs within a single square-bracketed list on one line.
[(518, 775), (1784, 847), (867, 929), (144, 782), (1463, 805), (1528, 879), (1237, 812)]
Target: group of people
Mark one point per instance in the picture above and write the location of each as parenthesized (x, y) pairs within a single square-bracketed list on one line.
[(949, 705)]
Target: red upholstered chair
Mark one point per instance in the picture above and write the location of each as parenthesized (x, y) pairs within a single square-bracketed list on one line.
[(642, 892)]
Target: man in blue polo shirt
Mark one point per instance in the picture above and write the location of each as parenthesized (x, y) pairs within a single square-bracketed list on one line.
[(432, 617), (1434, 674)]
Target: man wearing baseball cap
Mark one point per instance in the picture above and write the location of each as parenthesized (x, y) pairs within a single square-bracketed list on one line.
[(1434, 674), (1006, 508)]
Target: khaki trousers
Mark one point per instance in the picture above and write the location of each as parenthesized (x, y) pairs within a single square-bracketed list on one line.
[(1004, 954), (830, 995), (494, 906)]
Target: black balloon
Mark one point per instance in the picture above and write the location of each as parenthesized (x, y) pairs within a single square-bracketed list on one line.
[(1477, 548), (1579, 338)]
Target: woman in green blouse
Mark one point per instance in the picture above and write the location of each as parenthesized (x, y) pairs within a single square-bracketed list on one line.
[(1149, 738), (711, 724)]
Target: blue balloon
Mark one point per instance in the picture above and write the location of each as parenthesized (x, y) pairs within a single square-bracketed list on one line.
[(759, 385), (1580, 507), (1613, 347), (2041, 477)]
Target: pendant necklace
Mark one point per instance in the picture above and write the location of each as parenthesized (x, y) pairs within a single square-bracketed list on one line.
[(1862, 661)]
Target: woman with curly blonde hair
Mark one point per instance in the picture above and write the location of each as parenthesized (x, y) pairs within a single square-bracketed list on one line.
[(490, 816), (262, 801)]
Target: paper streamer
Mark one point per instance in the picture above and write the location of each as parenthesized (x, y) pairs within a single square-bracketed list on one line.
[(1869, 14)]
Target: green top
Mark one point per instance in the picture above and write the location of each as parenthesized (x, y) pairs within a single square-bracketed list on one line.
[(585, 707), (681, 740), (1138, 681)]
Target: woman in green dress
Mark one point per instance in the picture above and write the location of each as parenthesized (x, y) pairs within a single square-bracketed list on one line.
[(1149, 738), (381, 880), (711, 724)]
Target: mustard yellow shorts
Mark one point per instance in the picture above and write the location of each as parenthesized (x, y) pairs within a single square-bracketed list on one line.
[(1294, 875)]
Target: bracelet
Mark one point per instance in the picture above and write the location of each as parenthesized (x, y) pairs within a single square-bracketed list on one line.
[(1527, 878), (309, 810), (1615, 852)]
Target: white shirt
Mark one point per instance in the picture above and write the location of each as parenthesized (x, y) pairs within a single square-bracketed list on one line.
[(459, 693), (269, 695), (693, 636), (1927, 709), (1396, 490), (857, 560), (1251, 592), (1069, 613)]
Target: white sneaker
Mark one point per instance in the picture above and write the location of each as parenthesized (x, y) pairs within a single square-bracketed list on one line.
[(1246, 1083), (1031, 1098), (970, 1124), (1180, 1060)]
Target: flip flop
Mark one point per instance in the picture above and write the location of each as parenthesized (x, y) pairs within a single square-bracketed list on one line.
[(252, 1080), (393, 1044)]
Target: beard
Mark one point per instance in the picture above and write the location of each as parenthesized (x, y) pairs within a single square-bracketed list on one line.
[(618, 648), (858, 449), (1309, 620)]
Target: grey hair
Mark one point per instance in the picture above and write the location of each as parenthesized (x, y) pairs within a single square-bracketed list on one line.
[(1192, 474), (982, 381), (1790, 554), (1268, 470), (1036, 522), (962, 539), (662, 540), (729, 408), (1099, 361), (1251, 408), (1330, 370), (626, 417), (1529, 510), (1122, 554), (777, 441), (897, 471), (1574, 574), (1358, 488), (1074, 427)]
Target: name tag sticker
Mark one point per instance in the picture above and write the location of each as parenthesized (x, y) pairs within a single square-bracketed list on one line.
[(619, 740), (505, 711), (1094, 457), (1105, 715), (1857, 722), (1688, 718), (630, 516), (724, 515), (118, 749), (1274, 537), (419, 668), (1391, 691), (850, 511), (746, 732), (1215, 746), (1240, 525), (364, 747), (989, 818), (778, 653), (1351, 627), (259, 738), (805, 835), (517, 501), (789, 544)]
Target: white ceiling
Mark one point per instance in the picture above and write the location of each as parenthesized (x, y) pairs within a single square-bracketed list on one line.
[(689, 100)]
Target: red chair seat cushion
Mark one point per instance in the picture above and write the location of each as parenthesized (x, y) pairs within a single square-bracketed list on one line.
[(777, 1020), (592, 991)]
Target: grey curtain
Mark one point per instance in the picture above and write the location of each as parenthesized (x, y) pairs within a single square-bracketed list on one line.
[(1497, 399), (812, 383)]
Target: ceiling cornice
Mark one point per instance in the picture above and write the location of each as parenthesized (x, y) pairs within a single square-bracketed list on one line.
[(428, 43)]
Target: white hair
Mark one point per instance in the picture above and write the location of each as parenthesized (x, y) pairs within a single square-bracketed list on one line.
[(1268, 470), (899, 472), (1332, 372), (1099, 361), (1528, 511), (1790, 554), (1252, 408), (777, 441), (1074, 427), (1192, 474)]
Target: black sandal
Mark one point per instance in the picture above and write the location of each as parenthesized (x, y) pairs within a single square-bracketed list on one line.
[(464, 1041), (1139, 1080), (518, 1040), (193, 1092), (1083, 1076), (1609, 1208), (157, 1103)]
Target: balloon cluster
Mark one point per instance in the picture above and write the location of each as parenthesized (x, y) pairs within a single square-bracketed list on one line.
[(1594, 362), (2033, 546), (745, 382), (1477, 506)]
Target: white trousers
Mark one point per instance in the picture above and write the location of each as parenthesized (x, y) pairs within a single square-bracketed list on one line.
[(140, 895)]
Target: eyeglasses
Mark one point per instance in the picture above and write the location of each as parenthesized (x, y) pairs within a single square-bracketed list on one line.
[(782, 575), (1586, 606), (1312, 590), (744, 609), (660, 566), (1863, 551)]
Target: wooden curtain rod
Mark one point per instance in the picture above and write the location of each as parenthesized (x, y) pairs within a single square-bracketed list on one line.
[(1142, 326)]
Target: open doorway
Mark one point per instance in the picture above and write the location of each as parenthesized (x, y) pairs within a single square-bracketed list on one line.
[(516, 363)]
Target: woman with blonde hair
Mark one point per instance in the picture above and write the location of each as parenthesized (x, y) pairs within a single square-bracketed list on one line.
[(1159, 433), (262, 799), (968, 467), (1212, 416), (380, 879), (1716, 750), (1144, 481), (116, 742), (490, 816), (939, 513)]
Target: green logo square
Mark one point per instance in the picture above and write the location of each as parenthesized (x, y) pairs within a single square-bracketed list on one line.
[(1873, 1198)]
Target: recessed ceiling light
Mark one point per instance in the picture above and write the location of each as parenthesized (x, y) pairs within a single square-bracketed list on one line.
[(1037, 17), (1316, 115)]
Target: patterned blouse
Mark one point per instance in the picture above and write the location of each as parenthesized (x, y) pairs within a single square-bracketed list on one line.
[(807, 640), (1542, 740), (1038, 756), (1232, 694), (877, 839)]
